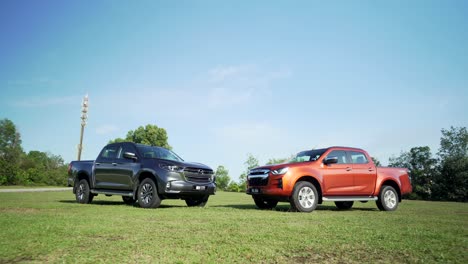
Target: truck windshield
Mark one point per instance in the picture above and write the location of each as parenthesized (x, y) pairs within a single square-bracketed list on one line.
[(308, 155), (158, 153)]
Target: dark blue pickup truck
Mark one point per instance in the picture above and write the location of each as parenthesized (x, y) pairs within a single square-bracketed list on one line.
[(142, 173)]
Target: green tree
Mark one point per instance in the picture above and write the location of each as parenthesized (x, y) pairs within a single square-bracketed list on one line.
[(376, 162), (10, 151), (452, 181), (222, 177), (422, 167), (277, 161), (149, 135), (42, 168), (453, 143), (233, 187), (250, 163)]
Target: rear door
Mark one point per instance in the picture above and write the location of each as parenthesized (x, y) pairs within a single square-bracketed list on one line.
[(364, 173), (337, 178)]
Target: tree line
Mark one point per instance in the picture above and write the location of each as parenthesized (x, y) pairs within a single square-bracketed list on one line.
[(443, 177), (33, 168)]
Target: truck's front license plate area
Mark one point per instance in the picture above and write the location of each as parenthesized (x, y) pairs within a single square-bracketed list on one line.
[(199, 188), (254, 190)]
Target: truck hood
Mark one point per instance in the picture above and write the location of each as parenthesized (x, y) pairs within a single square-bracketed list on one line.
[(282, 165), (273, 166), (194, 165)]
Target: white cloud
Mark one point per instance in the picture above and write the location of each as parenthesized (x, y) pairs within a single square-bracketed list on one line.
[(106, 129)]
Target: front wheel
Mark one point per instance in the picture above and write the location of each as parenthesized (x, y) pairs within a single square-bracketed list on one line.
[(148, 194), (263, 203), (83, 194), (304, 197), (197, 201), (388, 199)]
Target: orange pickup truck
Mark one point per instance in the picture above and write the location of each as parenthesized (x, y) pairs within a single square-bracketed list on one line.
[(339, 174)]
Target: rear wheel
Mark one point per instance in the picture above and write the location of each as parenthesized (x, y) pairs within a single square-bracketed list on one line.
[(83, 194), (148, 194), (197, 201), (128, 200), (264, 203), (344, 205), (304, 197), (388, 199)]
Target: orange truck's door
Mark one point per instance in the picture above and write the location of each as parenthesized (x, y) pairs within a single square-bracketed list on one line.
[(364, 173), (337, 178)]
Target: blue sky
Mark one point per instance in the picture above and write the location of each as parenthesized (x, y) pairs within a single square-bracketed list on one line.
[(228, 78)]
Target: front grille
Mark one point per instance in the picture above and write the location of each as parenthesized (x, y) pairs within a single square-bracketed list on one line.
[(259, 171), (198, 175), (258, 181), (198, 171), (198, 179)]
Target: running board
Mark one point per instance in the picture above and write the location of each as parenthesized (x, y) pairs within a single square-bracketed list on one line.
[(349, 198), (112, 192)]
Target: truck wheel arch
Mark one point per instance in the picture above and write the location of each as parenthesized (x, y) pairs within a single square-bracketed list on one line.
[(394, 185), (315, 182), (143, 175), (81, 175)]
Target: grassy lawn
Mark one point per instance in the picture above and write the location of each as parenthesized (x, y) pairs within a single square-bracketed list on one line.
[(51, 227), (29, 187)]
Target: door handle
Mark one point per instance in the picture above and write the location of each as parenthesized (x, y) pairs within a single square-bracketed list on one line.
[(114, 164), (371, 169), (348, 169), (97, 164)]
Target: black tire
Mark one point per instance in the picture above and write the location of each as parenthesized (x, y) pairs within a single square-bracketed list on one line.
[(82, 193), (388, 199), (264, 203), (128, 200), (344, 205), (148, 196), (197, 201), (304, 197)]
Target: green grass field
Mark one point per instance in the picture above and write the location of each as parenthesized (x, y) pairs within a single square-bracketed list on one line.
[(28, 187), (51, 227)]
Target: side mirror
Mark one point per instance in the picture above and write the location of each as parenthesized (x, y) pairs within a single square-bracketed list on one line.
[(330, 160), (130, 155)]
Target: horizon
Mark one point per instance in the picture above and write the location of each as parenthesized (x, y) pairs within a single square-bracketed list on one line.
[(232, 78)]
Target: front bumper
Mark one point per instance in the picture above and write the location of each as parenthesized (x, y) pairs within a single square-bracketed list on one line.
[(266, 191), (183, 187)]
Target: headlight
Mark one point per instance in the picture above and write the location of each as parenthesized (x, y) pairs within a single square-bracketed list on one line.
[(174, 168), (280, 171)]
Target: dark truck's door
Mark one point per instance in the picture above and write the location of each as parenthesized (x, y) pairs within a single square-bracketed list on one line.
[(104, 167), (125, 169)]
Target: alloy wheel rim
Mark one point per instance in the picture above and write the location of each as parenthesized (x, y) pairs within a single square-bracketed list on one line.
[(306, 197), (146, 193), (390, 199), (80, 191)]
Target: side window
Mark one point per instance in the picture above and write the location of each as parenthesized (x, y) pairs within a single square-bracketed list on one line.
[(109, 152), (358, 157), (126, 148), (340, 154)]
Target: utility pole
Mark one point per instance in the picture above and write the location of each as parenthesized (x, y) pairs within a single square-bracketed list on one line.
[(84, 117)]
